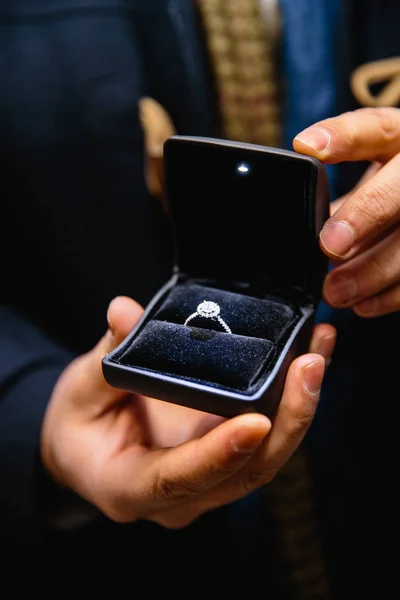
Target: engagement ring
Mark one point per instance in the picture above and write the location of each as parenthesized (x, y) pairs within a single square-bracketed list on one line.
[(209, 310)]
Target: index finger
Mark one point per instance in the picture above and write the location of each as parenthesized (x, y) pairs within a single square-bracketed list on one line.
[(373, 208), (366, 134)]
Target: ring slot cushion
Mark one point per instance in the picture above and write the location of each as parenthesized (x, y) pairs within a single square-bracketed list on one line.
[(252, 252)]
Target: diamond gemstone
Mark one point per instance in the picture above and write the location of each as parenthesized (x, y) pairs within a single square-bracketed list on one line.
[(208, 309)]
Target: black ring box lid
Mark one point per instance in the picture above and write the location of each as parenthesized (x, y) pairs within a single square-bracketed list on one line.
[(243, 212)]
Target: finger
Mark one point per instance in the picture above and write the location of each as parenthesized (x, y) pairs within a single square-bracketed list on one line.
[(367, 175), (374, 205), (371, 134), (323, 340), (367, 215), (122, 315), (94, 392), (366, 275), (147, 481), (294, 416)]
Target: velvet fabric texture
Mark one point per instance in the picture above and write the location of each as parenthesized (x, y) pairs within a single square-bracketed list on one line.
[(202, 350)]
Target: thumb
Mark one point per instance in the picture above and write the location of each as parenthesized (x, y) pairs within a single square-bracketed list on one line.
[(122, 315)]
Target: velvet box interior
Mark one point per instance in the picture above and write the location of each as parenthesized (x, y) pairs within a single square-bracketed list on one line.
[(240, 304)]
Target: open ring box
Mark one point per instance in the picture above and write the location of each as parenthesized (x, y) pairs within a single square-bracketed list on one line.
[(246, 220)]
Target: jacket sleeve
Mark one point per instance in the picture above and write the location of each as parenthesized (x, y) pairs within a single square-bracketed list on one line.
[(30, 364)]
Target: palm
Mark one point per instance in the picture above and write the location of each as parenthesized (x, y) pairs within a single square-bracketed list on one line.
[(149, 424)]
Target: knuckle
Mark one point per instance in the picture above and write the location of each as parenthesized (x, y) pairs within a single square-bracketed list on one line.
[(166, 489), (381, 268), (388, 119), (255, 479), (299, 422)]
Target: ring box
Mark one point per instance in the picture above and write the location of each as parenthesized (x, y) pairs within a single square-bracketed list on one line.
[(245, 220)]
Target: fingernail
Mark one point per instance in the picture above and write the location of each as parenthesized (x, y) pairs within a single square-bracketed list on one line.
[(315, 137), (367, 307), (339, 290), (312, 376), (337, 237)]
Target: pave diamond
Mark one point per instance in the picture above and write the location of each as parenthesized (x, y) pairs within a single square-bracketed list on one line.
[(208, 309)]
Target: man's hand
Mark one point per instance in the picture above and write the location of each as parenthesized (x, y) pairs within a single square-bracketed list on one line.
[(362, 236), (137, 458)]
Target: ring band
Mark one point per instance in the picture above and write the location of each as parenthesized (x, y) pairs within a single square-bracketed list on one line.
[(209, 310)]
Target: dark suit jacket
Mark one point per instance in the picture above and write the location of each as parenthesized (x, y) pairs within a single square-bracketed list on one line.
[(79, 227)]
